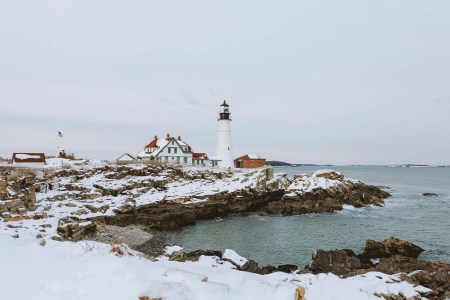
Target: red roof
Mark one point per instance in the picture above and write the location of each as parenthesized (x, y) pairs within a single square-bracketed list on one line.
[(153, 143), (250, 157), (28, 157), (199, 156)]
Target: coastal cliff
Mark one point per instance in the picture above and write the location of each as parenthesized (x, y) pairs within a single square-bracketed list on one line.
[(169, 197)]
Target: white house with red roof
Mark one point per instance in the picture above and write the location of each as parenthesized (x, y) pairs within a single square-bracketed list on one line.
[(29, 160), (173, 150)]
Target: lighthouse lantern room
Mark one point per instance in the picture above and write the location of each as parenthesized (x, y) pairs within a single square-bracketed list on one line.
[(224, 146)]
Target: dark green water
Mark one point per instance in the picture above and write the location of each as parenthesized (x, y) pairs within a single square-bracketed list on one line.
[(279, 240)]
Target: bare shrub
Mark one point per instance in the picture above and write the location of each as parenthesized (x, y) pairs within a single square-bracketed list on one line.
[(88, 246)]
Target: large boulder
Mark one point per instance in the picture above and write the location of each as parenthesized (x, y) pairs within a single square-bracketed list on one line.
[(338, 262), (330, 175), (75, 229), (390, 247)]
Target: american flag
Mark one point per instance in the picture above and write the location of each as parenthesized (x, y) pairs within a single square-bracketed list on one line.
[(60, 134)]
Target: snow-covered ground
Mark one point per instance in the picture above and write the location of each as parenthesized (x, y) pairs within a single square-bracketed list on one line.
[(86, 190), (89, 270), (79, 163)]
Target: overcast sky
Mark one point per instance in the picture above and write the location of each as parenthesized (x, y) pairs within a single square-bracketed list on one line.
[(341, 82)]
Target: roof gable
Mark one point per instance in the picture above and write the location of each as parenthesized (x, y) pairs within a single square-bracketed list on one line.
[(126, 155), (176, 142), (199, 156), (159, 144)]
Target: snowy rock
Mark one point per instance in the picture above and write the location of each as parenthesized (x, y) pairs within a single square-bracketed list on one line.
[(325, 191), (74, 229), (126, 208), (178, 256), (195, 255), (234, 258), (169, 250), (432, 275)]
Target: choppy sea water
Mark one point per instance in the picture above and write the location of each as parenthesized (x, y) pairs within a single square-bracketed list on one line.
[(279, 240)]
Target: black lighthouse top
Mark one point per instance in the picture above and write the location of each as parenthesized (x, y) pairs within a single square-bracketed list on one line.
[(224, 111)]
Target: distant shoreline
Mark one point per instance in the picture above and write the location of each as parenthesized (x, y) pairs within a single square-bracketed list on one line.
[(286, 164)]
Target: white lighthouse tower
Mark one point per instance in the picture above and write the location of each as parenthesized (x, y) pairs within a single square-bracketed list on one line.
[(224, 147)]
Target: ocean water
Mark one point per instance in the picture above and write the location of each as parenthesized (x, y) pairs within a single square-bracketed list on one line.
[(277, 240)]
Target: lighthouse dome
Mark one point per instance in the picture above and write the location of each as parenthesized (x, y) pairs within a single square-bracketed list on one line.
[(224, 113)]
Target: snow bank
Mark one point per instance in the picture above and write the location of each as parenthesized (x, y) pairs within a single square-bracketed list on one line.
[(71, 163), (88, 270)]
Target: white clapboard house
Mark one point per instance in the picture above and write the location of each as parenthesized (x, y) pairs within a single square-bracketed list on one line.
[(173, 150)]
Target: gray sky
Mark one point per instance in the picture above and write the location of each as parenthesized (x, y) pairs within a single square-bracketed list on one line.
[(307, 81)]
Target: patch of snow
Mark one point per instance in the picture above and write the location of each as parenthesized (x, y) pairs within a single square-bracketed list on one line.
[(348, 207), (169, 250), (234, 257), (10, 191), (27, 156)]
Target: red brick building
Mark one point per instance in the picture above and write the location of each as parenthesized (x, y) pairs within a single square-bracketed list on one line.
[(29, 160), (250, 161)]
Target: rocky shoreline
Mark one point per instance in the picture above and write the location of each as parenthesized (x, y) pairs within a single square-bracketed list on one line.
[(134, 205), (281, 196), (391, 256), (170, 197)]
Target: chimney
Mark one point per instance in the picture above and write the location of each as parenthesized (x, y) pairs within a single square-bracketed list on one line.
[(156, 137), (168, 136), (179, 138)]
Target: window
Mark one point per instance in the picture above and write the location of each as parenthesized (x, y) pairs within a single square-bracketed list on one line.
[(175, 150), (167, 158), (185, 160), (168, 150), (178, 159), (173, 142), (173, 158)]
